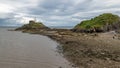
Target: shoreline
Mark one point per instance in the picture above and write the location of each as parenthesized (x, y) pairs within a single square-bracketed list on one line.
[(85, 50)]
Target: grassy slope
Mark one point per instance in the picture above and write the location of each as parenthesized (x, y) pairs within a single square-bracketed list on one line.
[(36, 25), (98, 22)]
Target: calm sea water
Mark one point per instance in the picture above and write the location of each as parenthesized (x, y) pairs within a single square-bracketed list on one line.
[(22, 50)]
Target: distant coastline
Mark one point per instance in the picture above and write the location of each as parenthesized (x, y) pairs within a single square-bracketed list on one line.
[(52, 27), (9, 26), (61, 27)]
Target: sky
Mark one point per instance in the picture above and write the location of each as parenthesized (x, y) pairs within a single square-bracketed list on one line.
[(54, 12)]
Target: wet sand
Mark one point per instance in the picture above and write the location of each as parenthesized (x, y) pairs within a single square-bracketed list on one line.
[(22, 50)]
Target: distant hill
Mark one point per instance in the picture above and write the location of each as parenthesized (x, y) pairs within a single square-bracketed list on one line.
[(102, 23), (33, 25)]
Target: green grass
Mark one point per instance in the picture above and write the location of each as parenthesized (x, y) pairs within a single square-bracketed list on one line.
[(35, 25), (98, 22)]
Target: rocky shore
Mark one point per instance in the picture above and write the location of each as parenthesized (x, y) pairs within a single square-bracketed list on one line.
[(86, 50), (93, 43)]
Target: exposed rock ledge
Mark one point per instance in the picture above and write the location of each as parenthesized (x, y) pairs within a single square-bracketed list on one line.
[(96, 50)]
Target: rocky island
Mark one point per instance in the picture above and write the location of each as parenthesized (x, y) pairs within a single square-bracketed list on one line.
[(33, 25), (93, 43)]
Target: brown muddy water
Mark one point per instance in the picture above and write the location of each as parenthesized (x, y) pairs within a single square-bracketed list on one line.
[(22, 50)]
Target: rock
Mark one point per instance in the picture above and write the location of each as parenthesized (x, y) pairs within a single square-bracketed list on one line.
[(102, 23), (33, 26)]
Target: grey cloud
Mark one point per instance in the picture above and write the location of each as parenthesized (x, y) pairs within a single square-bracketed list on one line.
[(68, 11)]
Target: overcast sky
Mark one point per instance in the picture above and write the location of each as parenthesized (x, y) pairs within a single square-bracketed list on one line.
[(54, 12)]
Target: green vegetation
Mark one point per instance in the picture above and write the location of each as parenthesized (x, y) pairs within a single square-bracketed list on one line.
[(33, 25), (99, 22)]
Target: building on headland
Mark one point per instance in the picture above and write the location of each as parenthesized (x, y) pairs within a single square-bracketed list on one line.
[(32, 21)]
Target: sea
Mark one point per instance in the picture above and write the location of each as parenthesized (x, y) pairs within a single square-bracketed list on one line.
[(23, 50)]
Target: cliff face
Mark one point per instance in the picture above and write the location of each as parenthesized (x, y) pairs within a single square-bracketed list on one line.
[(33, 25), (102, 23)]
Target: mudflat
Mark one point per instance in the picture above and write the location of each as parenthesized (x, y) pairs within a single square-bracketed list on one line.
[(87, 50)]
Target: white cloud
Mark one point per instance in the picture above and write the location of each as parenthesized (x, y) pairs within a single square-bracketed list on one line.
[(4, 8)]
